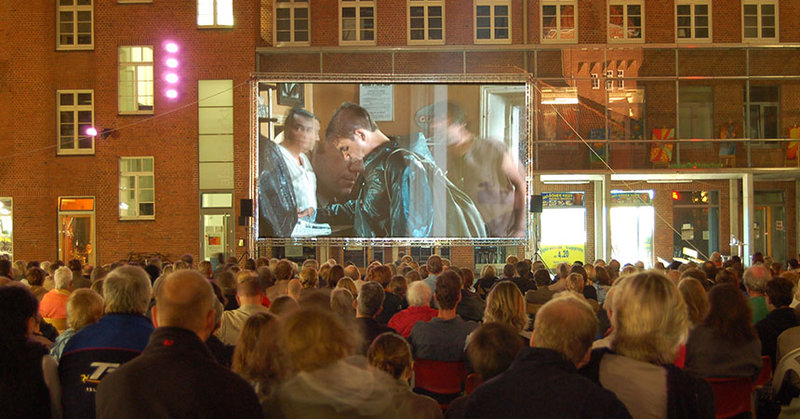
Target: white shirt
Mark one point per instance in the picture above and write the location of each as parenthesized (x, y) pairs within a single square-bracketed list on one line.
[(304, 181)]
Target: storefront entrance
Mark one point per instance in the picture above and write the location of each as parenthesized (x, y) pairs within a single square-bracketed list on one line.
[(632, 219)]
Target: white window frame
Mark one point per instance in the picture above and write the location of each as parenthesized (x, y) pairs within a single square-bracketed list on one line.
[(492, 28), (609, 79), (134, 1), (137, 188), (137, 83), (759, 17), (693, 19), (358, 5), (426, 5), (595, 81), (74, 9), (215, 7), (74, 108), (625, 4), (620, 79), (558, 4), (292, 6)]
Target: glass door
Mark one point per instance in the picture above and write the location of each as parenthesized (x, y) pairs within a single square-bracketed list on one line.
[(215, 237), (632, 222), (76, 229), (6, 228)]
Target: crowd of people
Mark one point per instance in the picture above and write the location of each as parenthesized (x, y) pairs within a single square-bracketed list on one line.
[(273, 338)]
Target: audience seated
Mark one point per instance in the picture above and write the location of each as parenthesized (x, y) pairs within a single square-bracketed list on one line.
[(755, 281), (283, 305), (84, 307), (175, 376), (35, 277), (486, 282), (782, 317), (258, 357), (221, 351), (694, 295), (523, 279), (542, 293), (543, 380), (419, 295), (392, 303), (505, 305), (249, 295), (53, 307), (471, 306), (368, 304)]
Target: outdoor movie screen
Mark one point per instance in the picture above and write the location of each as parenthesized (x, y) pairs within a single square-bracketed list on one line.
[(404, 160)]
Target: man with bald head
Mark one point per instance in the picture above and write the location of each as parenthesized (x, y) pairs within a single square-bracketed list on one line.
[(176, 376)]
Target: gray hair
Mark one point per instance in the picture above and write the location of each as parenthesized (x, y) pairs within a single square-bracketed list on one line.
[(370, 299), (756, 278), (62, 278), (127, 290), (419, 294), (218, 309)]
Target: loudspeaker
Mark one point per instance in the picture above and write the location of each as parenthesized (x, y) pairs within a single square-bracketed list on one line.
[(246, 208), (536, 203)]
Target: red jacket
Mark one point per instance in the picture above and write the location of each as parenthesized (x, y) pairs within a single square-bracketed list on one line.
[(404, 320)]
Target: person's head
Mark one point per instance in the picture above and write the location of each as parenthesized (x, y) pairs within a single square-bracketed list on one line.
[(710, 269), (293, 288), (205, 268), (249, 264), (265, 277), (299, 130), (334, 275), (492, 348), (579, 269), (18, 309), (650, 318), (434, 264), (340, 176), (448, 290), (758, 257), (412, 276), (184, 299), (505, 304), (370, 300), (575, 283), (727, 276), (716, 258), (562, 269), (63, 278), (382, 274), (35, 276), (309, 278), (696, 274), (567, 325), (488, 271), (283, 306), (523, 269), (398, 286), (342, 303), (188, 260), (84, 307), (353, 272), (601, 276), (284, 270), (127, 290), (98, 273), (419, 294), (448, 124), (756, 278), (779, 292), (509, 271), (541, 277), (351, 130), (512, 260), (390, 353), (5, 268), (313, 339), (227, 281), (347, 283), (694, 295), (729, 315), (74, 265), (258, 357), (249, 291)]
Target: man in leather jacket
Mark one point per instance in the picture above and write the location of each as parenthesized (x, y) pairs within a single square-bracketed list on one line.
[(396, 198)]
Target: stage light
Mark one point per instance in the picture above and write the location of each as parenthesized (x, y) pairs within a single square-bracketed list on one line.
[(171, 47), (172, 63), (171, 78), (91, 131), (172, 93)]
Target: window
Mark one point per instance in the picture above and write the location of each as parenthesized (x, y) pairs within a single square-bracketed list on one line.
[(609, 79), (76, 229), (136, 80), (492, 21), (625, 21), (134, 1), (595, 81), (426, 21), (764, 115), (358, 22), (620, 79), (291, 22), (760, 20), (695, 112), (6, 227), (215, 13), (75, 117), (136, 189), (693, 20), (75, 24), (695, 214), (559, 21)]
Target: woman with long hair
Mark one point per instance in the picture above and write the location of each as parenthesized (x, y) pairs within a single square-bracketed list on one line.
[(505, 304), (724, 344), (486, 282), (258, 356), (694, 295)]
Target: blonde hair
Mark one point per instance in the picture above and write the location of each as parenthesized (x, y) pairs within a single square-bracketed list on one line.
[(347, 283), (649, 317), (696, 299), (258, 357), (390, 353), (575, 283), (506, 305), (308, 278), (488, 271), (314, 339), (84, 307)]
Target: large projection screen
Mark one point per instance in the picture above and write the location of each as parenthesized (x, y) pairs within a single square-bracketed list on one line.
[(364, 159)]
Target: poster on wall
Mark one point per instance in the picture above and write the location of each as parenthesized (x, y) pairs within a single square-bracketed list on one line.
[(552, 255), (378, 99)]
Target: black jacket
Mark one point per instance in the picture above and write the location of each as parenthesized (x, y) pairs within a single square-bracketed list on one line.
[(175, 377)]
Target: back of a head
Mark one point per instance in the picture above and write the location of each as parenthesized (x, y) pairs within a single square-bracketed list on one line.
[(334, 275), (342, 303), (390, 353), (398, 286), (127, 290), (75, 265), (352, 272), (726, 276), (562, 269), (308, 277), (35, 276), (17, 306), (779, 292), (413, 276), (382, 274), (512, 260), (283, 305), (694, 295), (509, 271), (650, 318), (729, 315), (575, 282), (284, 270), (370, 299), (434, 264), (488, 271), (187, 259), (249, 287), (523, 269), (293, 288), (505, 304), (492, 348), (567, 325), (694, 273), (5, 268), (418, 294), (541, 277), (62, 278), (84, 307), (601, 276), (98, 273), (258, 356), (346, 120), (448, 290), (580, 270), (347, 283), (184, 299), (313, 339), (756, 278)]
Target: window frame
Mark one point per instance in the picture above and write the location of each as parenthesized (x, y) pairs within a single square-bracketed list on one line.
[(134, 1), (492, 28), (595, 78), (625, 4), (136, 188), (292, 6), (426, 5), (759, 18), (75, 9), (215, 24), (358, 5), (558, 4), (75, 108), (135, 65), (693, 17)]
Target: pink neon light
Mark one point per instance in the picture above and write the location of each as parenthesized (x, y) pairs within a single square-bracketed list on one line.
[(172, 63), (172, 93), (171, 78), (91, 131), (171, 47)]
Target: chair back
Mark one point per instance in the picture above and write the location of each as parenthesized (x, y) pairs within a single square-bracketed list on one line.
[(439, 376), (789, 362), (731, 395), (473, 381)]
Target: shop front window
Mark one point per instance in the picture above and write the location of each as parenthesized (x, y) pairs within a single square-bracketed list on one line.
[(696, 219)]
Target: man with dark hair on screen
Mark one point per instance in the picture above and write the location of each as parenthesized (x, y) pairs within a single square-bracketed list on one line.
[(484, 169), (402, 195)]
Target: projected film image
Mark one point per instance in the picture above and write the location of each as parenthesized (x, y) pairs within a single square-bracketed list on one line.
[(356, 160)]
